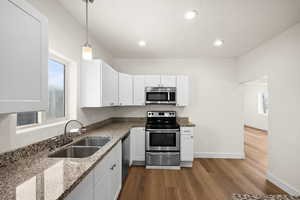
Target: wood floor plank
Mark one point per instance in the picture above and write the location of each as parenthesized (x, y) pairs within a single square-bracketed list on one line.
[(209, 179)]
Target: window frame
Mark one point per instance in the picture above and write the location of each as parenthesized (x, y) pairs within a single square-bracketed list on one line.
[(42, 120)]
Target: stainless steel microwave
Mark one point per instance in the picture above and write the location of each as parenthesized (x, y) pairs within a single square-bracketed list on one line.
[(160, 95)]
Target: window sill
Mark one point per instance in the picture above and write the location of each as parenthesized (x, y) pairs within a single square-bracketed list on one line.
[(39, 127)]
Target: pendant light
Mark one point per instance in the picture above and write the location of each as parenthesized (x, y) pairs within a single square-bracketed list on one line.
[(87, 51)]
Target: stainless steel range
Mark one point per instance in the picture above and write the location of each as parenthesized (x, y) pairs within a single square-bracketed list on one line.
[(162, 140)]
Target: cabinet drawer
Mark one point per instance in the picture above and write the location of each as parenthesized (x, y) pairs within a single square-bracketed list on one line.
[(186, 130)]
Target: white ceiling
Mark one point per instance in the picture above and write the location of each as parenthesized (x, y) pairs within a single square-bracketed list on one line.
[(243, 24)]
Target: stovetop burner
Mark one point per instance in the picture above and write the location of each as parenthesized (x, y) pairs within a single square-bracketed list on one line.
[(161, 120)]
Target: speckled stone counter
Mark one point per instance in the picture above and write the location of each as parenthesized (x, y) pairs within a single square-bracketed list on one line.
[(42, 178), (184, 121)]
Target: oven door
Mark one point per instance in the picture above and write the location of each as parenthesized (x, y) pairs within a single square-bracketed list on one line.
[(162, 140)]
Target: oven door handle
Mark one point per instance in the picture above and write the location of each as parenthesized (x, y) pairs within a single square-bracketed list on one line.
[(162, 130)]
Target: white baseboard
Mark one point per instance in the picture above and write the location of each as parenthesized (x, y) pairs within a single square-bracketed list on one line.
[(219, 155), (283, 185), (164, 167)]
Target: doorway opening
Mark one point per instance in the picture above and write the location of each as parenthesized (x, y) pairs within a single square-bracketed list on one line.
[(256, 109)]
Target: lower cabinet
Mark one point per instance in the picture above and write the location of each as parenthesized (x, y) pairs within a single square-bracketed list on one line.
[(115, 174), (186, 146), (83, 191), (105, 181), (137, 146)]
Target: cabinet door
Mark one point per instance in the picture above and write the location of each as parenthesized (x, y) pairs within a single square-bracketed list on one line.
[(83, 191), (90, 83), (125, 89), (168, 81), (182, 91), (101, 188), (115, 87), (116, 171), (23, 58), (187, 144), (108, 85), (137, 142), (152, 81), (139, 90)]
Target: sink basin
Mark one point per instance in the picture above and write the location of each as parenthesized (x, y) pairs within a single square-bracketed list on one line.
[(92, 141), (75, 152)]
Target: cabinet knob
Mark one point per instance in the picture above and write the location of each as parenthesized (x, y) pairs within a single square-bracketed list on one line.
[(113, 167), (192, 136)]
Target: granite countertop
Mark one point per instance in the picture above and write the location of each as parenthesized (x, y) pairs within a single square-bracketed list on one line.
[(41, 178)]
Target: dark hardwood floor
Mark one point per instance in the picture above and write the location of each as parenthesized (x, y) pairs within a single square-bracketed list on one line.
[(209, 179)]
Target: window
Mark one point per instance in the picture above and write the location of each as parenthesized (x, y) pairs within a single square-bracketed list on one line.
[(56, 90), (27, 118), (263, 103), (57, 97)]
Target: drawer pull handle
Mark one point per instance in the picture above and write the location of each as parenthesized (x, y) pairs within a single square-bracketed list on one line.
[(113, 167)]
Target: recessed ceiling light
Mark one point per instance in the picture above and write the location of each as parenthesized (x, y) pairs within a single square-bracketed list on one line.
[(189, 15), (142, 43), (218, 43)]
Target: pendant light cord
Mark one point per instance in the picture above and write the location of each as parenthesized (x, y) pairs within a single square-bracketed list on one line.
[(87, 21)]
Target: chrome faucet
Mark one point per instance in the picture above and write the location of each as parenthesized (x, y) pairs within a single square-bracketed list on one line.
[(68, 138)]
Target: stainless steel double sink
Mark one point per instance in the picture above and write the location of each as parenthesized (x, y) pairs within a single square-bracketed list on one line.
[(82, 148)]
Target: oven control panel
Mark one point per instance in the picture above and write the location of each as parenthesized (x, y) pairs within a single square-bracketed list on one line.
[(161, 114)]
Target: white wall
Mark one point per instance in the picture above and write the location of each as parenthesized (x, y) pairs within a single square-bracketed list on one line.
[(251, 116), (279, 59), (66, 36), (215, 100)]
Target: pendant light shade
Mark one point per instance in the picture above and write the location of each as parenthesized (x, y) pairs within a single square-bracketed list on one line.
[(87, 51)]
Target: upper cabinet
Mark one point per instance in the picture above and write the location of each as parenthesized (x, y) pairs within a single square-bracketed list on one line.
[(23, 58), (102, 86), (125, 89), (168, 81), (152, 81), (109, 86), (99, 84), (182, 91), (160, 81), (139, 90)]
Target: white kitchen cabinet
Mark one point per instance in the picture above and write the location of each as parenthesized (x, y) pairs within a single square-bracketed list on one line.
[(102, 179), (104, 182), (138, 90), (110, 85), (108, 175), (23, 58), (182, 91), (186, 146), (99, 84), (84, 190), (152, 81), (101, 189), (168, 81), (137, 145), (125, 89), (116, 171)]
